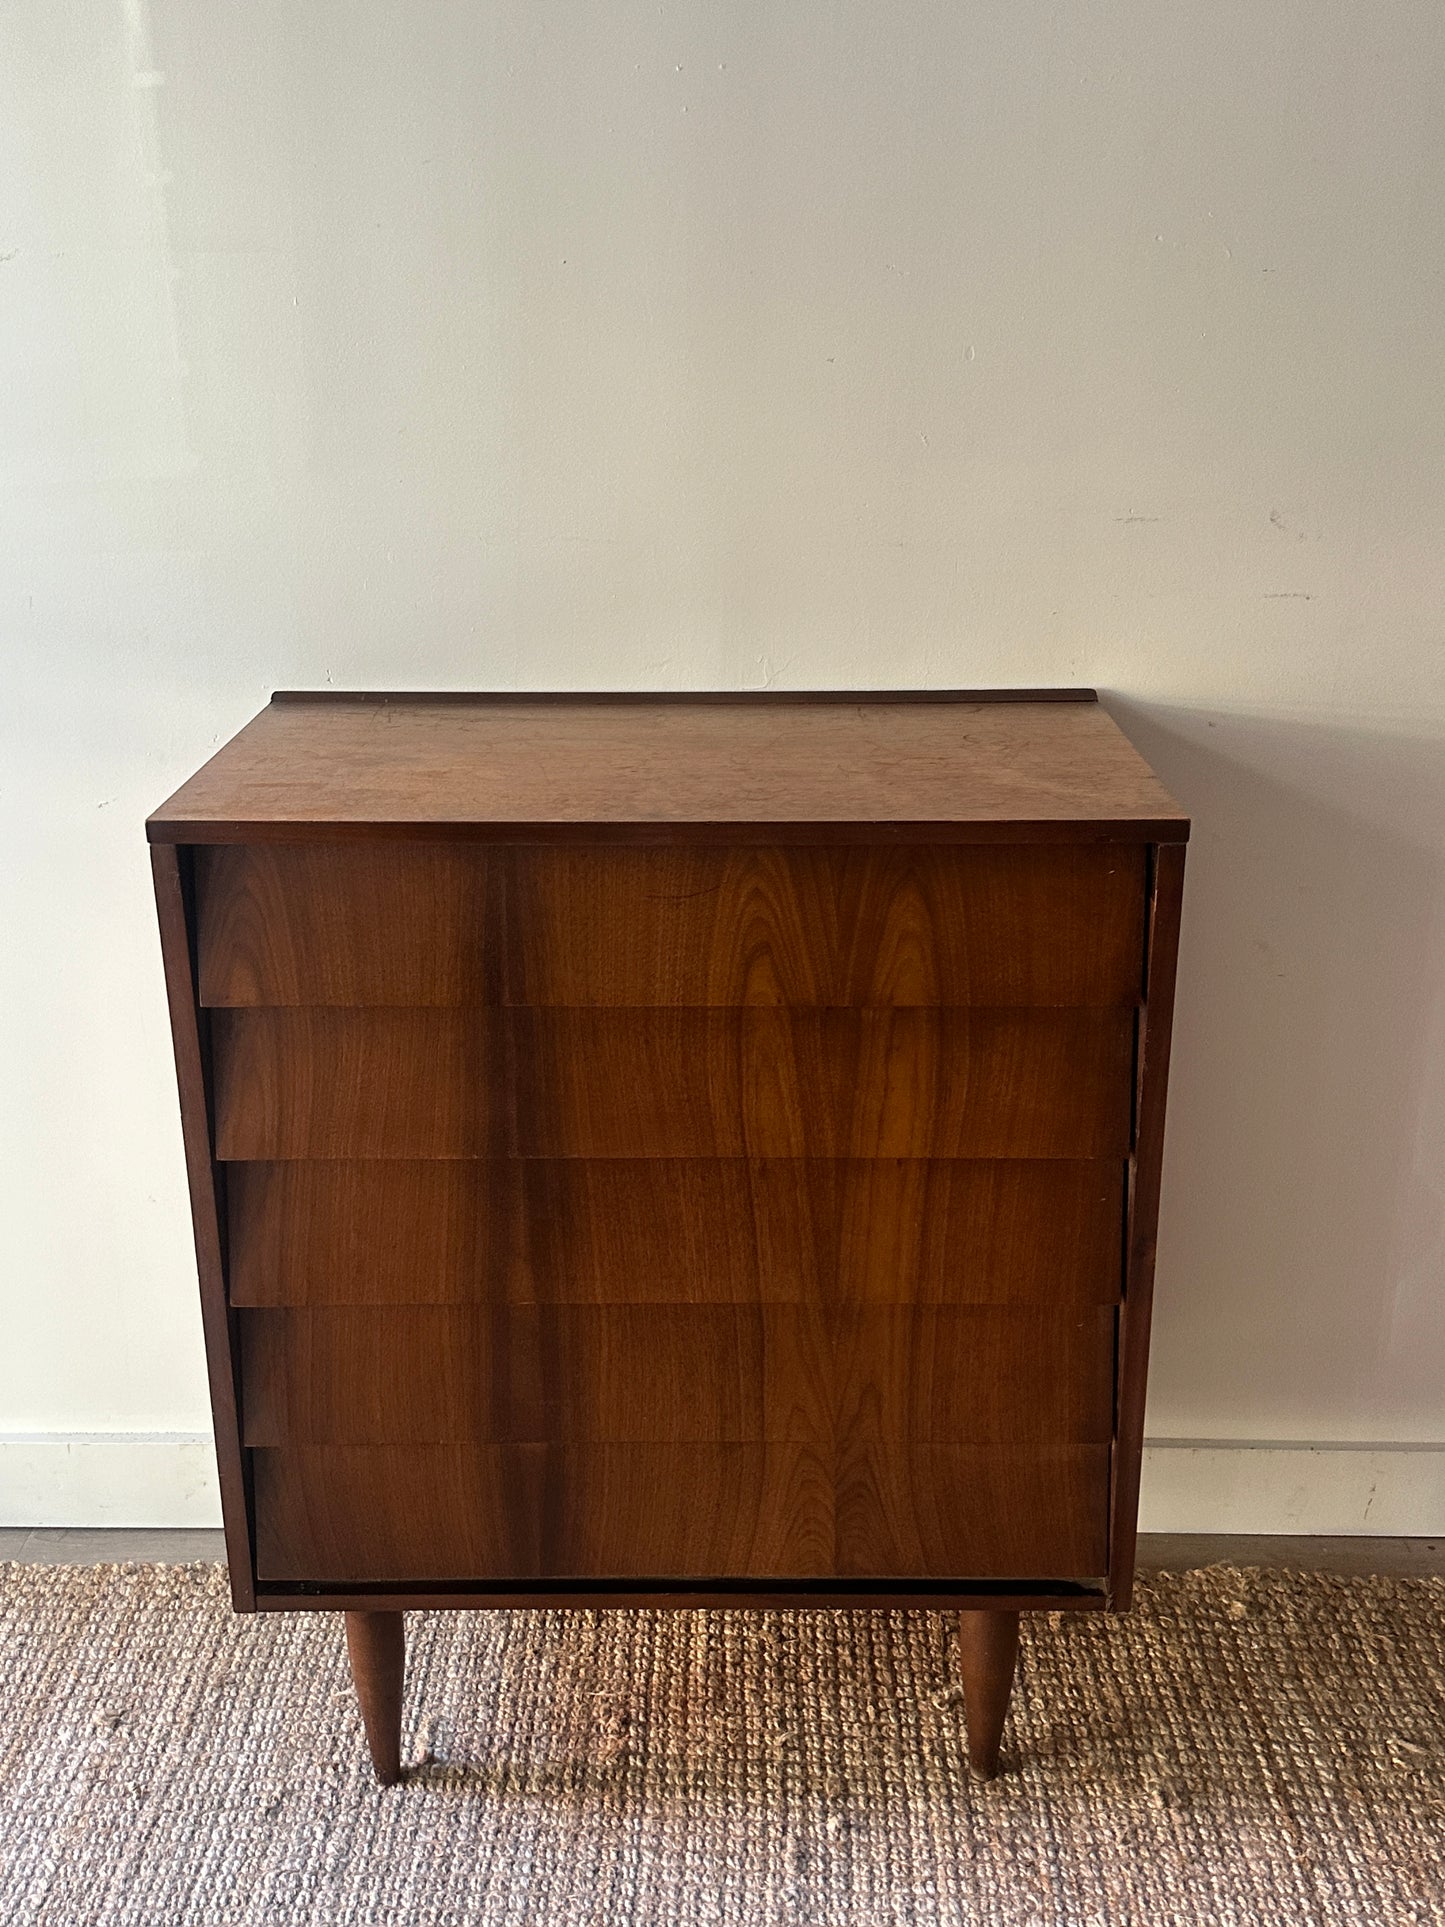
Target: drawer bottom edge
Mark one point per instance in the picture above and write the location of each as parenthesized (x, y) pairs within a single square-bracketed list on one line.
[(689, 1595)]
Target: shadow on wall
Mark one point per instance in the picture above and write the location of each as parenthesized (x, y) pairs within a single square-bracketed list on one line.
[(1302, 1240)]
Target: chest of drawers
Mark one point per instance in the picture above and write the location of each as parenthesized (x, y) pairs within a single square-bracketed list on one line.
[(674, 1151)]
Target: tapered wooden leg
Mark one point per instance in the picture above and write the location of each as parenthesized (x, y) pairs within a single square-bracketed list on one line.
[(376, 1644), (988, 1649)]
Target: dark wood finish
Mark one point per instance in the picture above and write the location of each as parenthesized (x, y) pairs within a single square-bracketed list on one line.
[(375, 1514), (674, 1151), (509, 1231), (730, 771), (203, 1179), (458, 923), (1156, 1025), (376, 1647), (365, 1083), (988, 1650), (675, 1083), (689, 698), (431, 1374), (359, 923), (675, 1595), (973, 1512)]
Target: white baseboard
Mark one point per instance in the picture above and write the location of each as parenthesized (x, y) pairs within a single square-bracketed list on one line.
[(1243, 1486), (1190, 1485), (109, 1479)]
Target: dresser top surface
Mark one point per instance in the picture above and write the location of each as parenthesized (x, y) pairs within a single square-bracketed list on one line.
[(1026, 765)]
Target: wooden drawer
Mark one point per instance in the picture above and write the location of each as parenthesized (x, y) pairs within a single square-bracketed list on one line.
[(721, 1374), (627, 1231), (908, 1083), (434, 1513), (428, 924)]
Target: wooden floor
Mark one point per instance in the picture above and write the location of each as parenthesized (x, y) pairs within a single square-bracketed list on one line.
[(1167, 1552)]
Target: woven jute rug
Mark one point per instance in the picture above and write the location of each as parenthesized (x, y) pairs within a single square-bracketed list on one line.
[(1246, 1748)]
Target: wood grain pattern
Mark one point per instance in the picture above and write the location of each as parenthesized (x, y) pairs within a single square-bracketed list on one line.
[(736, 772), (430, 1374), (446, 924), (360, 923), (372, 1514), (376, 1648), (682, 1083), (361, 1083), (972, 1511), (398, 1515), (988, 1651), (676, 1231), (674, 1143)]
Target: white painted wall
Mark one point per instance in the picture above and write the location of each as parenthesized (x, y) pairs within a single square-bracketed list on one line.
[(713, 346)]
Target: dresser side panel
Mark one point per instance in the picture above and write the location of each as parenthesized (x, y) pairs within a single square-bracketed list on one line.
[(205, 1183), (1156, 1022)]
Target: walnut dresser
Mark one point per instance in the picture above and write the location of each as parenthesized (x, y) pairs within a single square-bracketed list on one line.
[(675, 1150)]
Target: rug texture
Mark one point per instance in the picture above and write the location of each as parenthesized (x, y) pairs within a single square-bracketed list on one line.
[(1246, 1747)]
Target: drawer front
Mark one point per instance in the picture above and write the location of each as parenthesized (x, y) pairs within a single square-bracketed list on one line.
[(676, 1231), (421, 1514), (449, 925), (676, 1373), (904, 1083), (641, 1214), (364, 923)]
